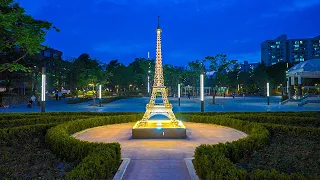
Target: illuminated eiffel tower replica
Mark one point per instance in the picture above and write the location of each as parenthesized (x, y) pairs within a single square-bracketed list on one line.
[(147, 128)]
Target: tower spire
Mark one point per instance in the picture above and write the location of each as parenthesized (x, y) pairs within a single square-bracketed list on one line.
[(158, 22)]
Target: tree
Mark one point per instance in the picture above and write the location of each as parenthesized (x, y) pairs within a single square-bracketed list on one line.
[(193, 72), (221, 66), (260, 79), (19, 31)]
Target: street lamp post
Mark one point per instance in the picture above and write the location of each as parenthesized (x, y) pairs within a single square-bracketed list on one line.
[(43, 90), (179, 94), (201, 91), (100, 95), (268, 94)]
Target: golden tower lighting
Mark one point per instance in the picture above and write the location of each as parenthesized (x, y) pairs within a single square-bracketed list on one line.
[(171, 128)]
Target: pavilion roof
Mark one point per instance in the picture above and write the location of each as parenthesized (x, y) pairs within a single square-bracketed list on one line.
[(306, 69)]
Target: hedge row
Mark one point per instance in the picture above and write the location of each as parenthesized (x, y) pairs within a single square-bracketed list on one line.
[(38, 120), (291, 114), (285, 120), (7, 135), (44, 118), (217, 161), (98, 156)]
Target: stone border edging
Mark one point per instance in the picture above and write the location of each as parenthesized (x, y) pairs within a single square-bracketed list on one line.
[(122, 169), (191, 170)]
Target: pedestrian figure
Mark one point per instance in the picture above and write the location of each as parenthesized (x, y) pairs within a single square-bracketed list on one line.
[(188, 95), (233, 94), (33, 99), (59, 95), (244, 95), (224, 94), (56, 94), (29, 104)]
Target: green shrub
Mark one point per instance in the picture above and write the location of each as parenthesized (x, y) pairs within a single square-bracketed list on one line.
[(7, 135), (209, 158), (69, 148), (101, 164), (217, 161), (285, 120)]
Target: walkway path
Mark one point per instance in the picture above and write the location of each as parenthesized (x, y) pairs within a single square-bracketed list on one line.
[(159, 158), (227, 104)]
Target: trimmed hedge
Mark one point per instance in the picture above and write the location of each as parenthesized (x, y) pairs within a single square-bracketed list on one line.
[(69, 148), (291, 114), (285, 120), (45, 118), (7, 135), (217, 161)]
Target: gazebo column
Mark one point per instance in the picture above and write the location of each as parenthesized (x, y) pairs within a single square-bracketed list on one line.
[(299, 85)]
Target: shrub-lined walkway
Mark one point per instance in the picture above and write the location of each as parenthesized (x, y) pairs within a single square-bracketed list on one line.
[(159, 158), (295, 134)]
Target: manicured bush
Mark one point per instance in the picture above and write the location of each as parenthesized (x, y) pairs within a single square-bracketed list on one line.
[(285, 120), (52, 117), (100, 164), (217, 161), (69, 148), (210, 158), (9, 134)]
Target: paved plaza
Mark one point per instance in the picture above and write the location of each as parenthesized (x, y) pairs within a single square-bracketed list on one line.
[(223, 104), (159, 158)]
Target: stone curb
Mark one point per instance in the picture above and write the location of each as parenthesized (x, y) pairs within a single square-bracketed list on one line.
[(191, 170), (122, 169)]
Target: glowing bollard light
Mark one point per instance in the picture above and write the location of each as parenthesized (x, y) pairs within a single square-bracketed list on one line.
[(43, 90), (100, 95), (179, 94), (268, 93), (201, 93)]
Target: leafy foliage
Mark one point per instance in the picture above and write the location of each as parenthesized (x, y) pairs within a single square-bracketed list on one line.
[(19, 30)]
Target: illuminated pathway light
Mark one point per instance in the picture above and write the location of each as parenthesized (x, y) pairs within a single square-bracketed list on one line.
[(179, 94), (43, 89), (100, 95), (201, 92), (268, 93)]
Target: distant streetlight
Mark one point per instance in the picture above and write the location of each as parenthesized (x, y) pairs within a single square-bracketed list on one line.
[(100, 95), (201, 91), (179, 94), (43, 90), (268, 93)]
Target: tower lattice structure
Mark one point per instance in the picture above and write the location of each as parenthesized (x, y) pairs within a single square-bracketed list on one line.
[(158, 87)]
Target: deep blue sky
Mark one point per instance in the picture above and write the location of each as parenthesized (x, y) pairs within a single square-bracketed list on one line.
[(192, 29)]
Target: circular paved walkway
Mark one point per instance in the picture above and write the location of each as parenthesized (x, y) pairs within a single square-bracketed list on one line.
[(197, 133), (159, 159)]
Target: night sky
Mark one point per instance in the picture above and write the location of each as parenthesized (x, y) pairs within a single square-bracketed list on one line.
[(192, 29)]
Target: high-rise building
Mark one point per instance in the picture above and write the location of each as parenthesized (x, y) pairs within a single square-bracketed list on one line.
[(245, 66), (282, 49), (248, 67)]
